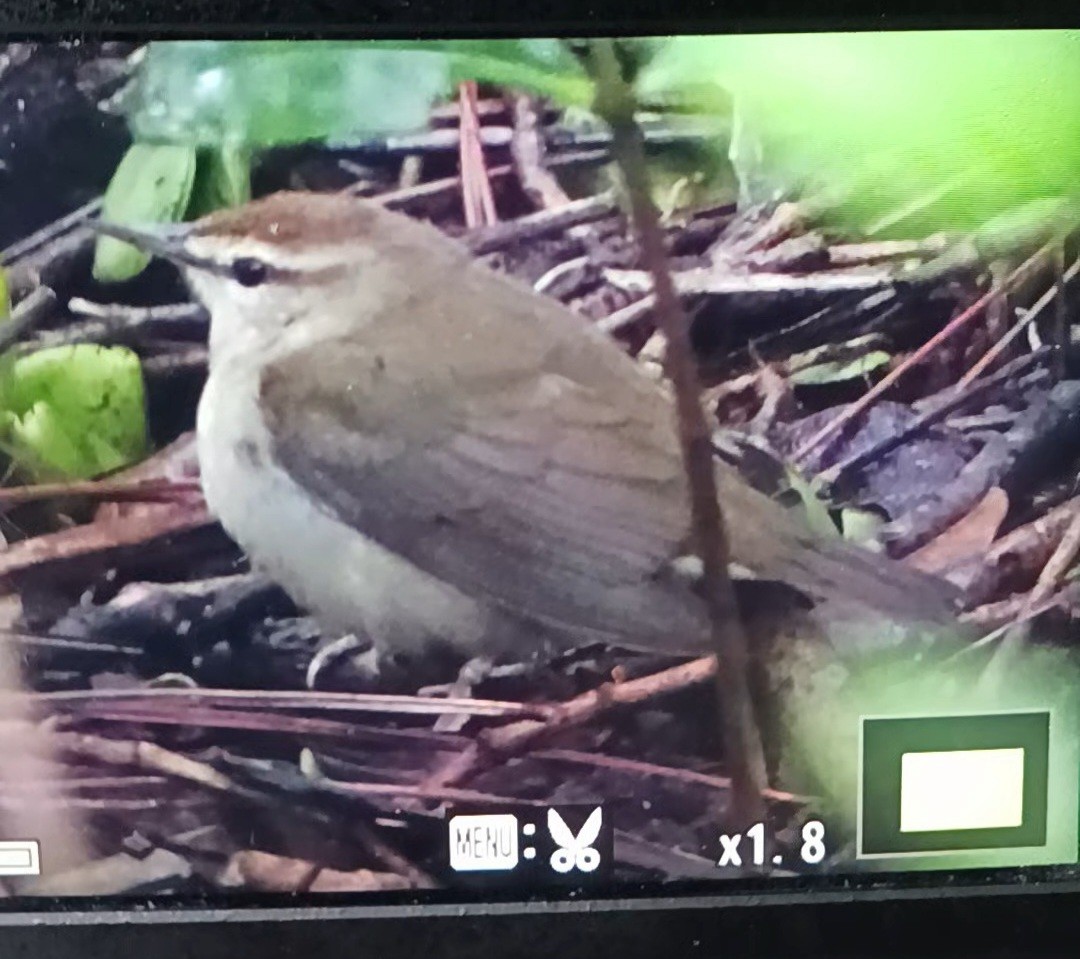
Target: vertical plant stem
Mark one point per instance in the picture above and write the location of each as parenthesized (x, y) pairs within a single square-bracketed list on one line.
[(1061, 313), (615, 103)]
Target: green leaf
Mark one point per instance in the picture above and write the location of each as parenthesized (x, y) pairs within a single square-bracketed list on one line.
[(152, 184), (222, 179), (815, 509), (5, 296), (540, 66), (978, 121), (838, 371), (74, 412), (862, 526), (269, 93)]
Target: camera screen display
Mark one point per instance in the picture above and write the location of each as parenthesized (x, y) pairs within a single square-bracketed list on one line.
[(534, 465)]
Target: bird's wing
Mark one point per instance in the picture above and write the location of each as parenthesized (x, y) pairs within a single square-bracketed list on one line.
[(530, 492), (503, 450), (481, 433)]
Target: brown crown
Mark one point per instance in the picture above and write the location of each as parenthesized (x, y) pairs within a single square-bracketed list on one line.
[(292, 219)]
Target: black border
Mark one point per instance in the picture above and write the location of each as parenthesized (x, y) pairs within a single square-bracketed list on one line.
[(1031, 912), (885, 740)]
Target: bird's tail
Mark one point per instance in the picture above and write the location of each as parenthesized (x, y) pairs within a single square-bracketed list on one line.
[(872, 586)]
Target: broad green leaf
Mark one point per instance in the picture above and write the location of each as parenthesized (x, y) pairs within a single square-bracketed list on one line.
[(5, 296), (74, 412), (956, 127), (269, 92), (259, 93), (152, 184), (838, 371), (222, 179)]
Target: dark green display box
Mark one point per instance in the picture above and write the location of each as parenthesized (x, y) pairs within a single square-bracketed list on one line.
[(984, 777)]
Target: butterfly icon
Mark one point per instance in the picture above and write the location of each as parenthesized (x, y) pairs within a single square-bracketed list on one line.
[(574, 850)]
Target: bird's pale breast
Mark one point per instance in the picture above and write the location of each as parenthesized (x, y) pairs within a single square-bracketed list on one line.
[(349, 582)]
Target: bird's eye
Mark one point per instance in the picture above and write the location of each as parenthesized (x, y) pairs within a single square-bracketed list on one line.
[(248, 271)]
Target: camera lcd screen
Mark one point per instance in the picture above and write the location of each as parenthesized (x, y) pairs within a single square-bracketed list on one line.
[(538, 465)]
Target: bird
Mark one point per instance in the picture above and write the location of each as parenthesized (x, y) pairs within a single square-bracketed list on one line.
[(422, 448)]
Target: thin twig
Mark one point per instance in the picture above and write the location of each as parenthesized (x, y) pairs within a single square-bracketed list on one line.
[(269, 699), (1032, 315), (958, 398), (497, 744), (424, 793), (150, 756), (628, 316), (542, 223), (1058, 564), (615, 103), (140, 491), (830, 430), (50, 232), (29, 313), (636, 767)]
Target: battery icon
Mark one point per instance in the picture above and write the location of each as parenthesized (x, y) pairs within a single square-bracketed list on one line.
[(20, 857)]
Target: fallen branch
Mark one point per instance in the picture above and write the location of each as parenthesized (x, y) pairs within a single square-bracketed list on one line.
[(636, 767), (496, 745), (75, 699), (149, 756), (542, 223)]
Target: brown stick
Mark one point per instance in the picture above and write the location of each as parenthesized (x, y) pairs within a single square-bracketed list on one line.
[(150, 756), (1033, 314), (615, 103), (1058, 564), (501, 742), (527, 149), (636, 767), (833, 427)]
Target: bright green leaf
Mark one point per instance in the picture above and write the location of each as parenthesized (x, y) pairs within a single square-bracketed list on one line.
[(152, 184), (838, 371), (222, 179), (5, 296), (74, 411)]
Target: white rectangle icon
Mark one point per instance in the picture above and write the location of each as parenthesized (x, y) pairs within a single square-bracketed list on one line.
[(20, 857), (484, 842), (962, 789)]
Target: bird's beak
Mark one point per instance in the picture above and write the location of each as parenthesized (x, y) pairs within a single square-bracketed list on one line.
[(166, 241)]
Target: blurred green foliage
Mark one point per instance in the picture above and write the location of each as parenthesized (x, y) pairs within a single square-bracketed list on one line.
[(269, 93), (956, 126)]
